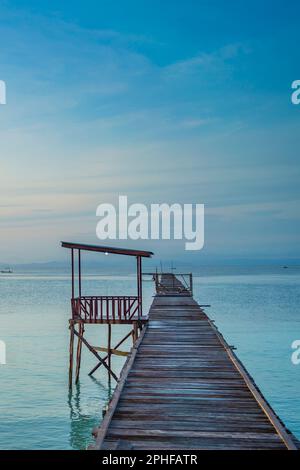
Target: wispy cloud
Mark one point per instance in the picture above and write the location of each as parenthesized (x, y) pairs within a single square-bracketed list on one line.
[(91, 114), (206, 62), (284, 210), (194, 123)]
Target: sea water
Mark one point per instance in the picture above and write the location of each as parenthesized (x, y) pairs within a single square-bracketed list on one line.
[(257, 310)]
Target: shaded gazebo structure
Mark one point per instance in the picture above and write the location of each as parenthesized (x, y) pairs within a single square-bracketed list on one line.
[(102, 309)]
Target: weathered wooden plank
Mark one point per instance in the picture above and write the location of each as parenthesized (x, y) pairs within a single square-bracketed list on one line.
[(140, 432), (189, 444), (183, 425)]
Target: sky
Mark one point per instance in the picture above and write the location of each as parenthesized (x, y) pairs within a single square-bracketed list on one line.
[(170, 101)]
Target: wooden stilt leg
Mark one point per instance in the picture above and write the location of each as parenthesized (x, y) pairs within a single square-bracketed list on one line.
[(71, 353), (109, 347), (135, 332), (78, 355)]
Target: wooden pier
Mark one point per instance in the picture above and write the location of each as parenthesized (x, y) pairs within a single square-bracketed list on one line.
[(182, 387)]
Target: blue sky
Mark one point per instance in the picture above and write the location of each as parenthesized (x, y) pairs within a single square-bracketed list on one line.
[(162, 101)]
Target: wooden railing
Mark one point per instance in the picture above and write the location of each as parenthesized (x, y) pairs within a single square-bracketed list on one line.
[(105, 308), (182, 282)]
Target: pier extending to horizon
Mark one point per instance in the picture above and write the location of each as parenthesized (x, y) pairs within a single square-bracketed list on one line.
[(182, 386)]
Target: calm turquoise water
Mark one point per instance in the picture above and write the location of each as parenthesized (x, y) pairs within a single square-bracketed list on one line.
[(257, 310)]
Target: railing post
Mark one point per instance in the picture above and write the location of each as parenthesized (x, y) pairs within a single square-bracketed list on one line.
[(72, 264), (139, 286), (79, 273), (141, 290)]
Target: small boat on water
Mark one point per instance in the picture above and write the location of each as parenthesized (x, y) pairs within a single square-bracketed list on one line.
[(6, 271)]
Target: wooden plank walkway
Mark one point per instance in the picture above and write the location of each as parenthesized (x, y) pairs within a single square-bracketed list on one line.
[(184, 388)]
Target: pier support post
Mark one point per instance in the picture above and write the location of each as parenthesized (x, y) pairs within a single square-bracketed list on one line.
[(71, 353), (79, 348), (191, 283), (135, 333)]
